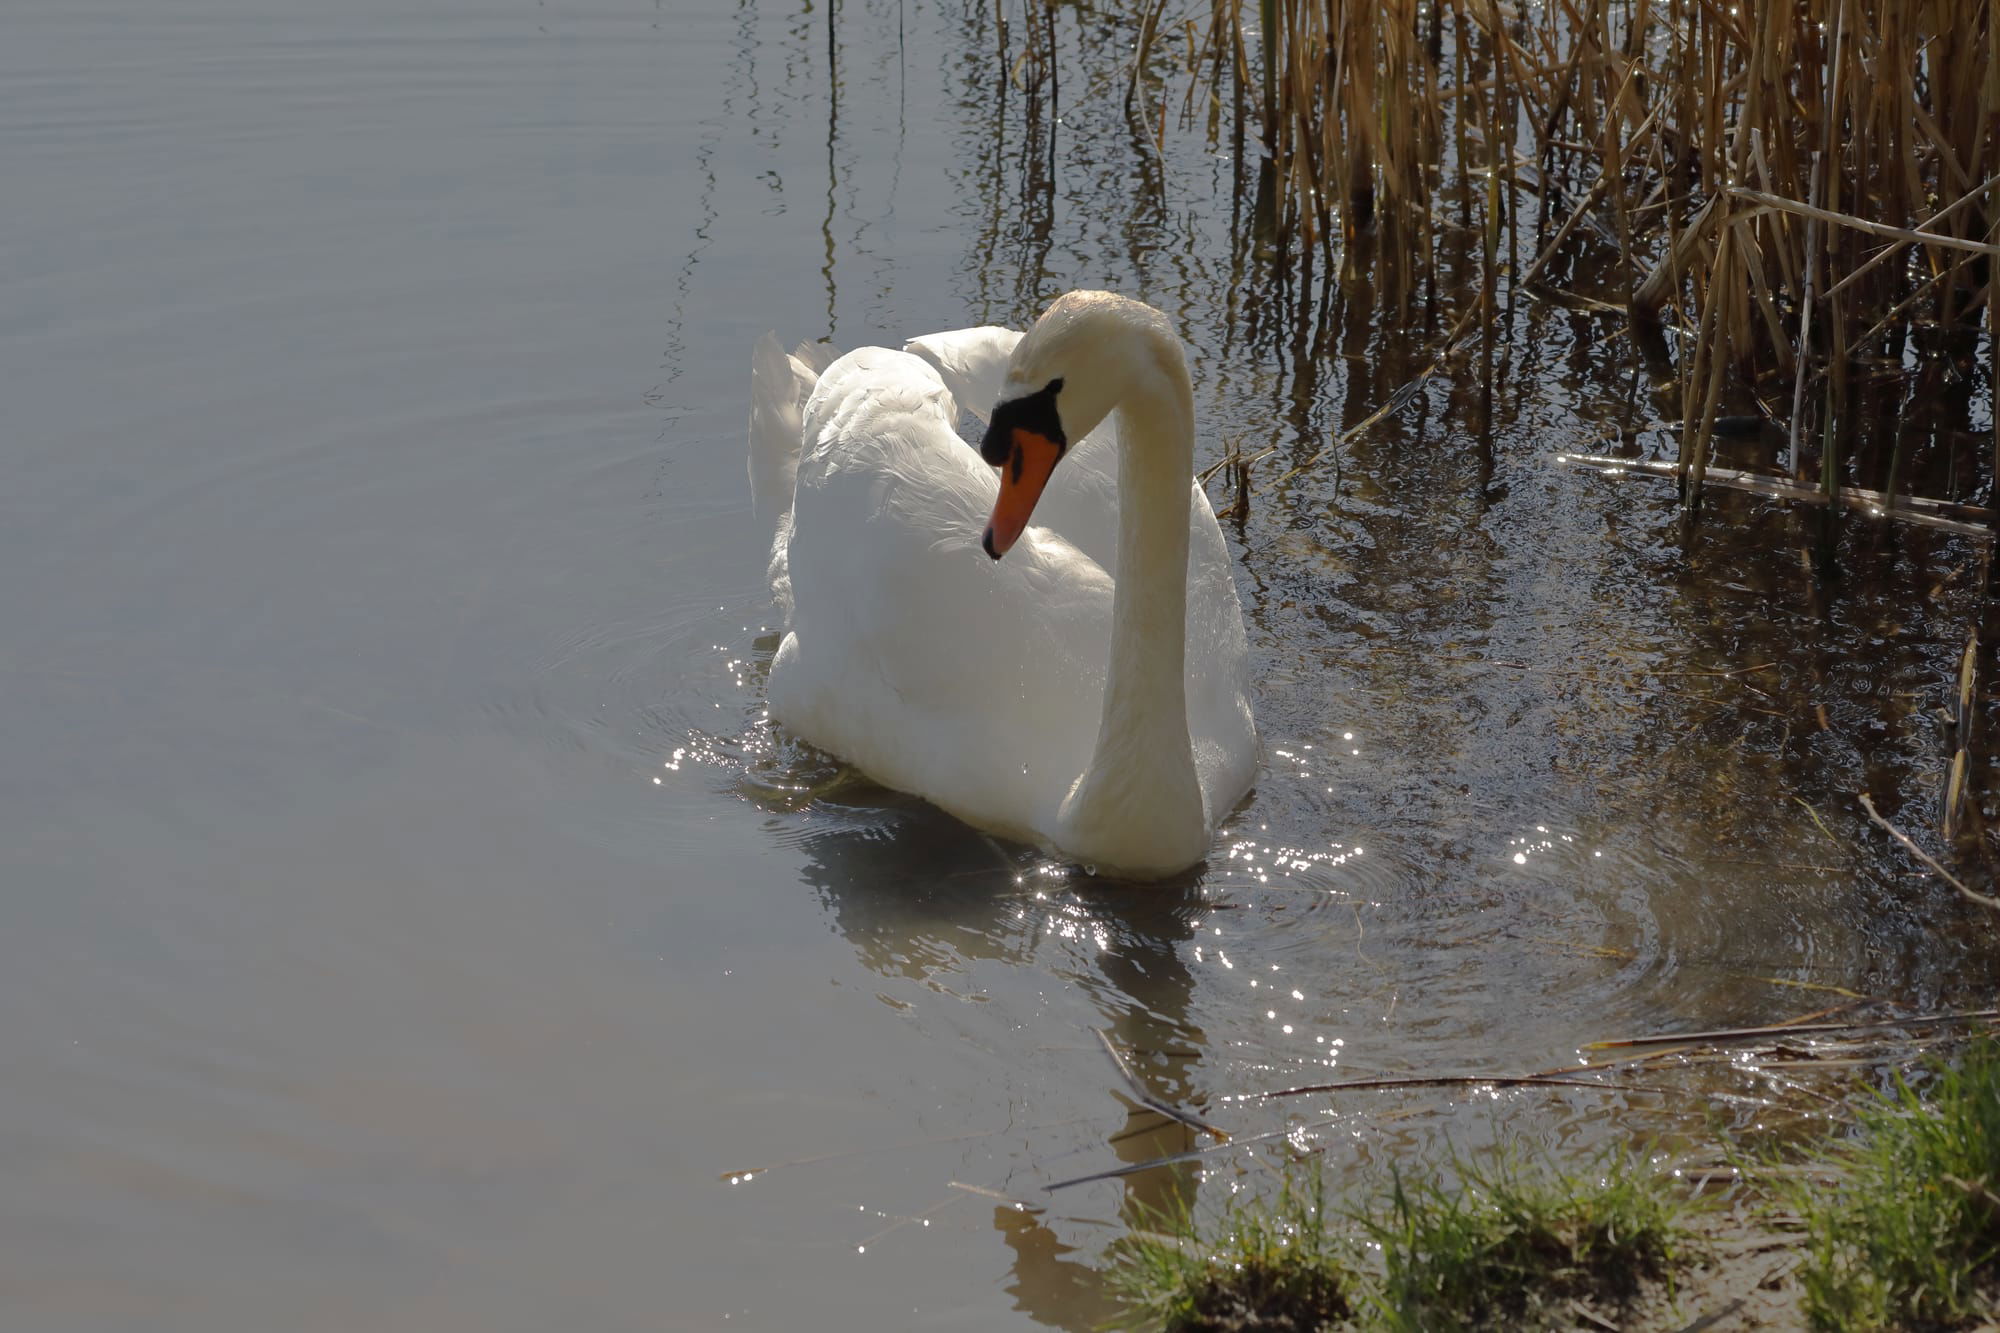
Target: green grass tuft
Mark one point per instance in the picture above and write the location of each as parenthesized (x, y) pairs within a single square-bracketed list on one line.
[(1509, 1244), (1499, 1249), (1909, 1238), (1268, 1265)]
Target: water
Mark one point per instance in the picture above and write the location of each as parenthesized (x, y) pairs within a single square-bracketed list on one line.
[(406, 921)]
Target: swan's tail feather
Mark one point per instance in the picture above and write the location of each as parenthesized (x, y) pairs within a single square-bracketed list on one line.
[(816, 357), (779, 387)]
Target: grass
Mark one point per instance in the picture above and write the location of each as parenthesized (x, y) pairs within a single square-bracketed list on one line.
[(1509, 1246), (1499, 1245), (1911, 1237), (1906, 1238), (1274, 1265)]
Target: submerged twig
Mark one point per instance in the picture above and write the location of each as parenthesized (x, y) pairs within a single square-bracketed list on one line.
[(1152, 1102), (1728, 1035), (1444, 1081), (1247, 1140), (1982, 899), (982, 1191), (1207, 475)]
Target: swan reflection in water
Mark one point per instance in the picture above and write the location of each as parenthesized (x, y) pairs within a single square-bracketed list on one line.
[(922, 898)]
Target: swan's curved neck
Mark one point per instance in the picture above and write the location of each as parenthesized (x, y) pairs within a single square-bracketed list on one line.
[(1146, 686), (1140, 799)]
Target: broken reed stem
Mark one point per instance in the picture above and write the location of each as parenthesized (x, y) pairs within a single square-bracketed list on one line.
[(1964, 718), (1802, 360), (1973, 521), (1440, 1081), (1705, 379), (1908, 235), (1926, 227), (1730, 1036)]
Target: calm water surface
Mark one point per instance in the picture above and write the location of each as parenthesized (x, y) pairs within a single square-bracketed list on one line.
[(407, 921)]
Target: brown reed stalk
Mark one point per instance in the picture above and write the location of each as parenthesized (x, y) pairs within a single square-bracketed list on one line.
[(1746, 163)]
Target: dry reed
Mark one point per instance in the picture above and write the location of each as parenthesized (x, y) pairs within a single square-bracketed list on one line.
[(1779, 194)]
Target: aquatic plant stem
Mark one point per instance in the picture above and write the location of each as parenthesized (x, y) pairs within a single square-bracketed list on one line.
[(1868, 804)]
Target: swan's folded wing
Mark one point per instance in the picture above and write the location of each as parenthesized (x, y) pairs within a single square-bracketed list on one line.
[(973, 682), (1220, 721), (972, 362), (1081, 501)]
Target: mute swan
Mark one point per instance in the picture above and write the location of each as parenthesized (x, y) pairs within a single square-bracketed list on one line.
[(1089, 691)]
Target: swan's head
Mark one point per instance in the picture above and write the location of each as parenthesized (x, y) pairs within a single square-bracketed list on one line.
[(1083, 355), (1025, 439)]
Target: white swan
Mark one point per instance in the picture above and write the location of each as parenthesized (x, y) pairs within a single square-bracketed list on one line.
[(1089, 692)]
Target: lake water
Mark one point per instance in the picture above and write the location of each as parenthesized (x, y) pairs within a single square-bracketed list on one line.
[(407, 921)]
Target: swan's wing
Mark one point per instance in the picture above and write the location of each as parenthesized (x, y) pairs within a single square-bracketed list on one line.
[(972, 363), (779, 387), (1081, 501), (936, 670), (1220, 721)]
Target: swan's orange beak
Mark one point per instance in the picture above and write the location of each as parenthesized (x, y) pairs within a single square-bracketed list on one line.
[(1030, 461)]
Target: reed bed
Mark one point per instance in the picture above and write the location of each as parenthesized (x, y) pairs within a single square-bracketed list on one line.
[(1792, 202)]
